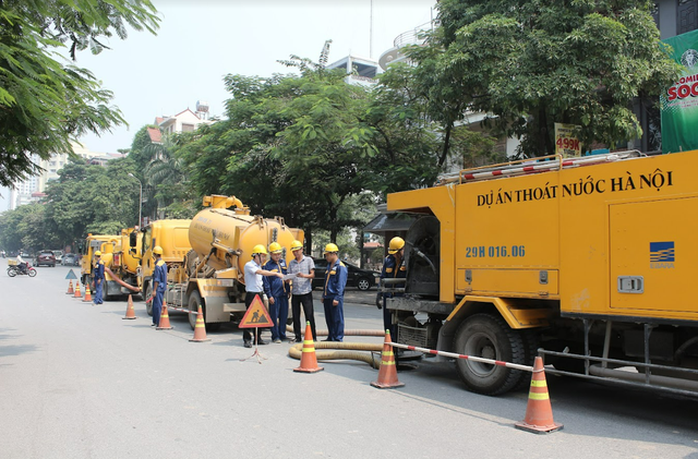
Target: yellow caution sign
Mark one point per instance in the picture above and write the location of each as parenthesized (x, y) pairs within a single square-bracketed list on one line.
[(256, 316)]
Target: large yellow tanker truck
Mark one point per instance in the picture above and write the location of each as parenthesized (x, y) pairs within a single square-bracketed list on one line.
[(592, 260), (208, 269)]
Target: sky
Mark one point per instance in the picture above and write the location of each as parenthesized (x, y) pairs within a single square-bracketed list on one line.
[(199, 42)]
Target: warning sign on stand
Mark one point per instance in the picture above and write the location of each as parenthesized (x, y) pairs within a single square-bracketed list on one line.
[(256, 316)]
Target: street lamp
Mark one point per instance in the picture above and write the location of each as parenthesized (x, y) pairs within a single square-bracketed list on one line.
[(140, 198)]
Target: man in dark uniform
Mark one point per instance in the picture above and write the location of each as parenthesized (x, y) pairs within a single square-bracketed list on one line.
[(333, 295), (277, 292), (159, 284), (393, 267), (99, 278)]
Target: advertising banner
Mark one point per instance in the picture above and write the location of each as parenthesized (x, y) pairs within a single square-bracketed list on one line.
[(566, 142), (679, 104)]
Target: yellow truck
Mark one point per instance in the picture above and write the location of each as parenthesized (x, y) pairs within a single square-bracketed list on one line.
[(106, 244), (587, 261), (205, 257)]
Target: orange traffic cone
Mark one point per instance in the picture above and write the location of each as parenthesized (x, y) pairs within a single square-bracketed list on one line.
[(539, 413), (77, 290), (130, 313), (88, 294), (164, 323), (387, 375), (70, 288), (199, 328), (308, 357)]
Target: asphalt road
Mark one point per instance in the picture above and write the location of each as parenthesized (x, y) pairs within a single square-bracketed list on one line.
[(77, 381)]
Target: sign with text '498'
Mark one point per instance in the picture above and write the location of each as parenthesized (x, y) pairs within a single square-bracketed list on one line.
[(566, 142)]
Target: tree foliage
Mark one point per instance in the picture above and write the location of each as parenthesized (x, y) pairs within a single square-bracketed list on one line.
[(44, 101), (530, 64)]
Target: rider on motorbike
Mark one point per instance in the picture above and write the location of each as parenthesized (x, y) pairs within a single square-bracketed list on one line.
[(21, 264)]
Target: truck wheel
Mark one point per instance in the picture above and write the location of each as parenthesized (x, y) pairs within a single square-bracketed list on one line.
[(148, 295), (488, 336), (194, 302)]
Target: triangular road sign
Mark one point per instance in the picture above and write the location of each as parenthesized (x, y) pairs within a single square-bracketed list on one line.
[(71, 275), (256, 316)]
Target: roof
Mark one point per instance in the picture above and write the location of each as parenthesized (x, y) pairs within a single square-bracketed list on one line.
[(155, 135)]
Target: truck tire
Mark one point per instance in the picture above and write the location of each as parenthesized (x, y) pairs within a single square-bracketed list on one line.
[(148, 295), (488, 336), (194, 302)]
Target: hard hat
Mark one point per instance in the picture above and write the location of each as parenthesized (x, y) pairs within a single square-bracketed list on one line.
[(331, 248), (275, 247), (157, 250), (98, 254), (396, 244), (258, 249), (296, 245)]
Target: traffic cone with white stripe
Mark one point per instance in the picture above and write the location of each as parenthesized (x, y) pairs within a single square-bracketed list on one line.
[(539, 413), (88, 294), (308, 357), (77, 290), (199, 328), (70, 288), (387, 374), (164, 323), (130, 313)]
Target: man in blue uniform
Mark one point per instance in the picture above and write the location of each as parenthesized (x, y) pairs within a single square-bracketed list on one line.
[(393, 267), (98, 274), (276, 290), (159, 284), (333, 295)]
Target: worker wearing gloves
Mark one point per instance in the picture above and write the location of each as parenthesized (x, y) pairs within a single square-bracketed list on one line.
[(277, 291), (159, 284), (255, 286), (333, 294), (99, 278), (393, 267)]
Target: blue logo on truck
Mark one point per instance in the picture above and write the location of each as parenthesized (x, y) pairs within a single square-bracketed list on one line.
[(662, 255)]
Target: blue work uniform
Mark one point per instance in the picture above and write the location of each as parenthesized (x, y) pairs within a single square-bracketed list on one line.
[(392, 270), (99, 282), (276, 288), (159, 276), (335, 282)]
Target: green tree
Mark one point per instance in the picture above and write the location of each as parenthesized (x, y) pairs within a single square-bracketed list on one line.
[(530, 64), (45, 103), (166, 176)]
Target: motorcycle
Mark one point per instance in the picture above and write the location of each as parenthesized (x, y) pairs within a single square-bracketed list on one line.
[(15, 270)]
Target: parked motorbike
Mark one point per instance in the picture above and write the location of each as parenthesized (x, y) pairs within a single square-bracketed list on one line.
[(15, 270)]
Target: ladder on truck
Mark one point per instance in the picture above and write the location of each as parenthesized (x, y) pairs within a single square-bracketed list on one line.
[(531, 166)]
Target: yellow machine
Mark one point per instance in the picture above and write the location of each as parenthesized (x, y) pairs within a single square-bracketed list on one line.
[(122, 266), (173, 237), (589, 259), (206, 256), (106, 244)]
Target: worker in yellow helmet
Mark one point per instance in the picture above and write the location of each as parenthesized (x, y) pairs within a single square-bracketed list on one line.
[(393, 266), (277, 291), (302, 288), (254, 286), (98, 275), (159, 284), (333, 294)]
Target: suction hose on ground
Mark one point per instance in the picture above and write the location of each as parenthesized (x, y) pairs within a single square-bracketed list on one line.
[(342, 351)]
